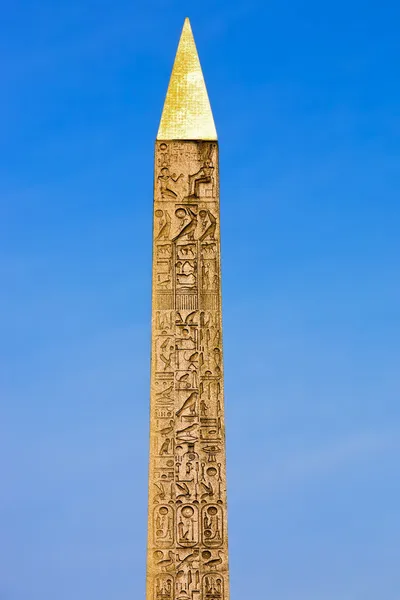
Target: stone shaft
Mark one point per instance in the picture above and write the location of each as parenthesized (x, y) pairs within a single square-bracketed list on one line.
[(187, 556)]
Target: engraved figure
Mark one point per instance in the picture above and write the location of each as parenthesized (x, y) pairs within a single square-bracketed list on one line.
[(210, 429), (208, 225), (210, 388), (215, 280), (203, 407), (168, 429), (188, 379), (163, 526), (187, 582), (186, 467), (164, 396), (160, 495), (188, 320), (186, 341), (205, 275), (166, 181), (187, 363), (165, 447), (187, 229), (186, 251), (213, 587), (164, 224), (187, 525), (209, 274), (164, 587), (203, 175), (212, 452), (217, 361), (183, 491), (210, 481), (208, 491), (189, 559), (212, 562), (164, 563), (163, 155), (167, 354), (163, 412), (163, 271), (189, 404), (209, 250), (164, 251), (164, 320), (186, 273), (186, 433), (212, 526)]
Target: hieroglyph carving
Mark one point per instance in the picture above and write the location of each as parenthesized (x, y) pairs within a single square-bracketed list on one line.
[(187, 543)]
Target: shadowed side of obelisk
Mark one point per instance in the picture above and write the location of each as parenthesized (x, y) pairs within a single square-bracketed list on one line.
[(187, 556)]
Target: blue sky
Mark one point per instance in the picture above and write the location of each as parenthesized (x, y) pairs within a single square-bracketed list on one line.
[(306, 100)]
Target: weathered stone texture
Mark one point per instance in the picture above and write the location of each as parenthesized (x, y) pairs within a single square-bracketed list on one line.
[(187, 535)]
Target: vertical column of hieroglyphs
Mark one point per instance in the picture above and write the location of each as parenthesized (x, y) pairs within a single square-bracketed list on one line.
[(187, 545)]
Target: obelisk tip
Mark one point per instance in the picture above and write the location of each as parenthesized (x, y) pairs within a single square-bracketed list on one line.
[(187, 112)]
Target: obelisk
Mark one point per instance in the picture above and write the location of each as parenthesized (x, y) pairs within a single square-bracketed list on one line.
[(187, 554)]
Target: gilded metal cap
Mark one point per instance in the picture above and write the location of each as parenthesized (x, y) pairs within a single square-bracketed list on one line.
[(187, 112)]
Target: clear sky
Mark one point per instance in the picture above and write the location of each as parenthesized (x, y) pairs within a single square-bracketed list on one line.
[(306, 100)]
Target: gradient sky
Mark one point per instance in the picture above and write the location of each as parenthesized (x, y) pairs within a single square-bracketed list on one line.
[(306, 100)]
